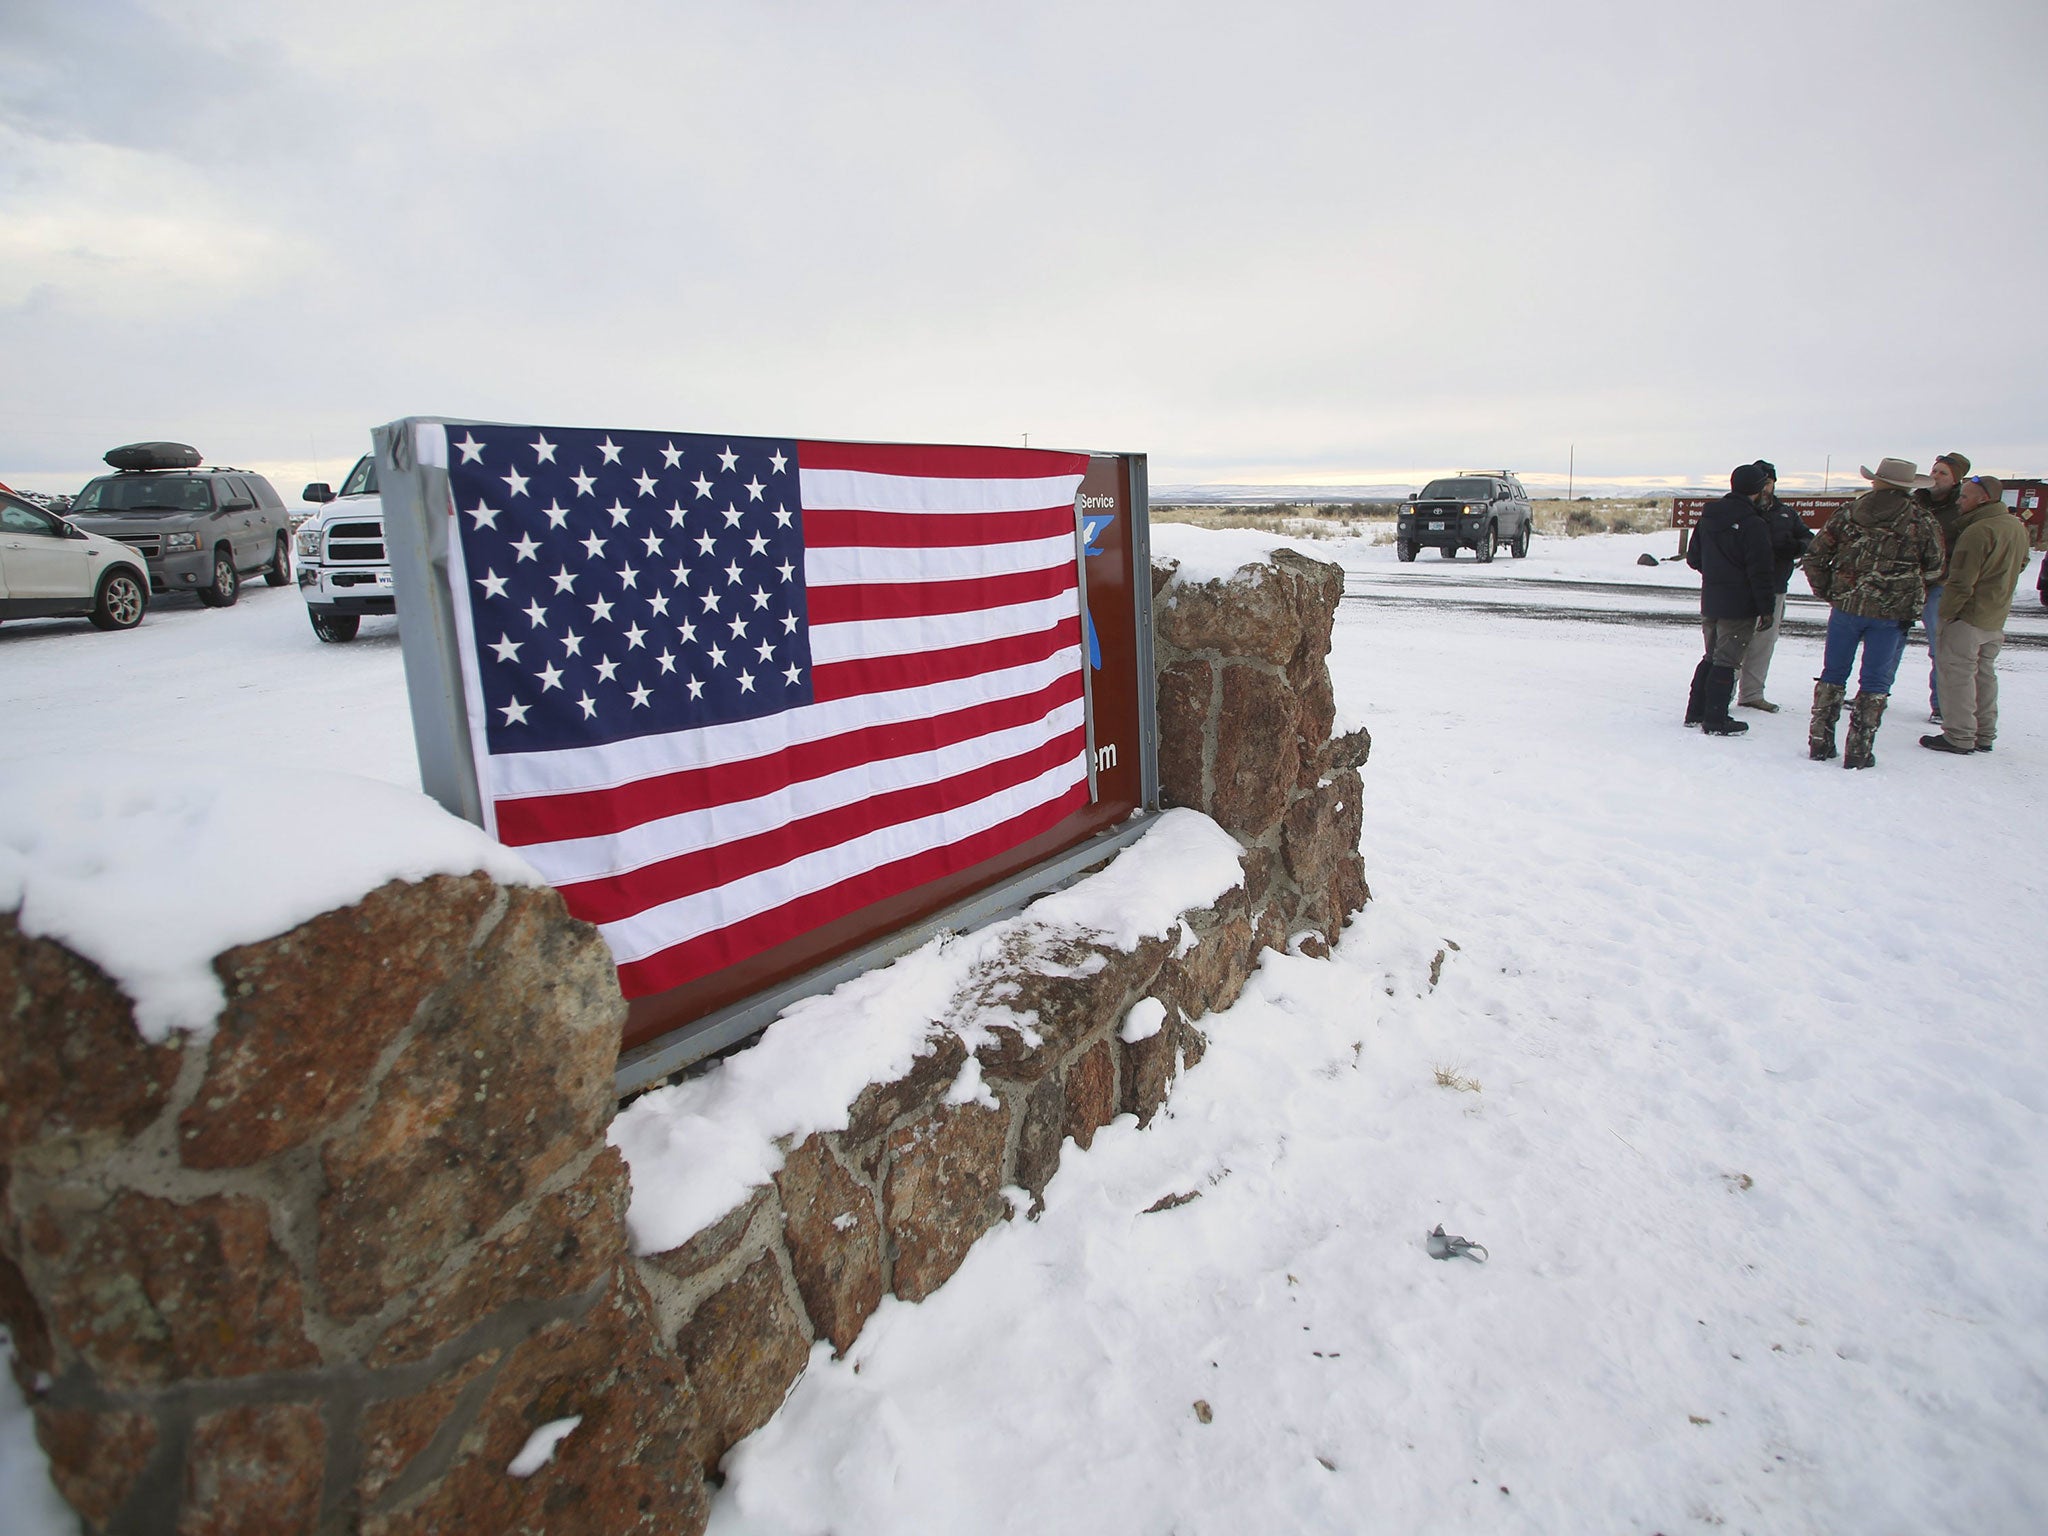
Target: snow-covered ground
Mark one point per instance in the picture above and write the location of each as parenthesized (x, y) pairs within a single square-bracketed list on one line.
[(1731, 1060)]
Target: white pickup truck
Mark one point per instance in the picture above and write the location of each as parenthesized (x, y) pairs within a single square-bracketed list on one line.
[(343, 570)]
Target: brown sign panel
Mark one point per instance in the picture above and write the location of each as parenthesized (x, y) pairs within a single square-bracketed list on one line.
[(2026, 500), (1115, 701), (1814, 511), (1110, 623)]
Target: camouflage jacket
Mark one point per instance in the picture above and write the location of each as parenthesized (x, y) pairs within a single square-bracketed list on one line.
[(1876, 557)]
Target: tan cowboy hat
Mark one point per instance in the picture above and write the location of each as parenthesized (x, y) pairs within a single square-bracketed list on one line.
[(1902, 474)]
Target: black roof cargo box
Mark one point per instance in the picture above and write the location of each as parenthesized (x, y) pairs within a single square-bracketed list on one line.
[(154, 456)]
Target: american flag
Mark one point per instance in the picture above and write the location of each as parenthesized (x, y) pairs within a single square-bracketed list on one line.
[(725, 690)]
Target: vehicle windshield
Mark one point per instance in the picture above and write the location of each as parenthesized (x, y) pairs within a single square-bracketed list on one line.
[(1458, 490), (146, 493), (362, 480)]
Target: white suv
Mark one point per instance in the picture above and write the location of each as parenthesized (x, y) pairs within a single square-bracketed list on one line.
[(343, 570), (50, 568)]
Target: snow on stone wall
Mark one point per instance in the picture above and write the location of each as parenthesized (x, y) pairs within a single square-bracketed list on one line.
[(335, 1264)]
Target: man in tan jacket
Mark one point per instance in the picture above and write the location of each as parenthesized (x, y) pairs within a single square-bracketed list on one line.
[(1984, 566)]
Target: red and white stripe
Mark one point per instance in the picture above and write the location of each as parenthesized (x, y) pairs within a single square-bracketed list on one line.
[(948, 724)]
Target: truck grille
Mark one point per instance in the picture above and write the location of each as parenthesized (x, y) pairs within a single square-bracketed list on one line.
[(355, 543), (147, 545)]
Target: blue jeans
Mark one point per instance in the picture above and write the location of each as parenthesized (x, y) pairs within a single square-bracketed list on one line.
[(1930, 617), (1883, 642)]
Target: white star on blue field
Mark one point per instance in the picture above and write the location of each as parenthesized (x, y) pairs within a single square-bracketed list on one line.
[(629, 583)]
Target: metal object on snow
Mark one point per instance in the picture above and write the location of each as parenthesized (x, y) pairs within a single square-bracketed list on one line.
[(1442, 1247)]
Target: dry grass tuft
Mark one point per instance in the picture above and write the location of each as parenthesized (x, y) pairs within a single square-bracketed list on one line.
[(1374, 520), (1295, 520), (1612, 514), (1451, 1077)]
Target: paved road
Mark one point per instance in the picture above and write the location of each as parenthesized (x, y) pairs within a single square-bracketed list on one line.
[(1479, 588)]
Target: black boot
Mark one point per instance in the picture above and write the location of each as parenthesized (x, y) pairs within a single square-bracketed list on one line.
[(1715, 696), (1865, 715), (1820, 730), (1695, 703)]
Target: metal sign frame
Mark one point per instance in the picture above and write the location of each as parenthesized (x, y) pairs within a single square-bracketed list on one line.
[(412, 469)]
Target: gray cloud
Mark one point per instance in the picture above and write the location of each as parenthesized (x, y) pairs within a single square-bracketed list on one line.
[(1348, 241)]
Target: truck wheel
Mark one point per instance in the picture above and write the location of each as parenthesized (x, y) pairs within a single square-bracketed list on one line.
[(279, 572), (334, 628), (1483, 551), (120, 602), (1522, 541), (1405, 549), (226, 585)]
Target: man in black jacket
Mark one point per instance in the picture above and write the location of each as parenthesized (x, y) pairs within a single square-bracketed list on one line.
[(1731, 549), (1789, 538)]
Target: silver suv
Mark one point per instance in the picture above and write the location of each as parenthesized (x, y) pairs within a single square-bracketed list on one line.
[(199, 529), (1478, 510), (343, 570)]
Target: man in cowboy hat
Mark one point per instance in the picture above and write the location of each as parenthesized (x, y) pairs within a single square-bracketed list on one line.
[(1872, 565), (1940, 498), (1984, 566), (1789, 538)]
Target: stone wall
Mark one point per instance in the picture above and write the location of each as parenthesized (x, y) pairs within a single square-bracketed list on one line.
[(1245, 719), (329, 1269), (892, 1203)]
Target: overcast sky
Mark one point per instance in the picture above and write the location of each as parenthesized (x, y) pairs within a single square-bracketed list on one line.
[(1353, 242)]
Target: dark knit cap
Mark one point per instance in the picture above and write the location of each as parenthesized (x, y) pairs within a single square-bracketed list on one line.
[(1770, 470), (1746, 480), (1956, 462)]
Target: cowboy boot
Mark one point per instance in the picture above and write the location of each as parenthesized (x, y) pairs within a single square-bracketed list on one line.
[(1715, 695), (1695, 703), (1865, 715), (1820, 730)]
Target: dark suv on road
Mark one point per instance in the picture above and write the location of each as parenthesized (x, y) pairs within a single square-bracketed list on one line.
[(199, 528), (1478, 510)]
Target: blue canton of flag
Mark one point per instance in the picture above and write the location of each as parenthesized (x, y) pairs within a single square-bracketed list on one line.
[(627, 584)]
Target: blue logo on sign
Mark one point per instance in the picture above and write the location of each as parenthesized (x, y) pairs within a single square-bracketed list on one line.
[(1093, 526)]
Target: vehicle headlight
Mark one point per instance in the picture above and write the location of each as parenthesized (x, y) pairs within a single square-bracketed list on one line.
[(309, 543), (173, 542)]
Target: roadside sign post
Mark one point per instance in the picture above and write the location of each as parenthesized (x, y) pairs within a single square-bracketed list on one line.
[(416, 542), (670, 1026)]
